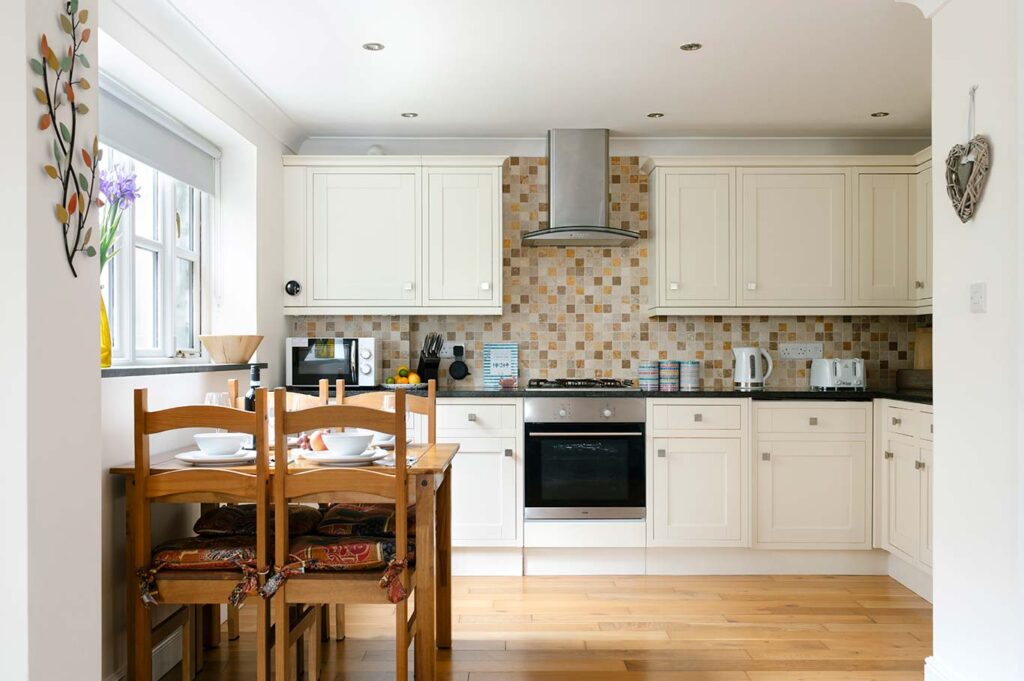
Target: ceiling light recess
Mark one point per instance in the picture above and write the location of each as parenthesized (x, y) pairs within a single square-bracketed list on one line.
[(880, 114), (410, 114), (373, 47), (690, 47), (655, 114)]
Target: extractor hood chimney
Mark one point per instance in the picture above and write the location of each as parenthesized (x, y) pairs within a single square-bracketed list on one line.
[(578, 193)]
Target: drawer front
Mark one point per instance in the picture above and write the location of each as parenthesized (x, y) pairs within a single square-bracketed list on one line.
[(812, 420), (900, 420), (925, 426), (697, 417), (468, 419)]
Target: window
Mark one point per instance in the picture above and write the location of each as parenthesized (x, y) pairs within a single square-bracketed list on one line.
[(152, 287)]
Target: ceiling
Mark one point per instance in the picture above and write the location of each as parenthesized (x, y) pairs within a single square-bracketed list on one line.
[(494, 68)]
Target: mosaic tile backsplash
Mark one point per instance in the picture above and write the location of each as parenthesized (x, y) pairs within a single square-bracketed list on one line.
[(578, 312)]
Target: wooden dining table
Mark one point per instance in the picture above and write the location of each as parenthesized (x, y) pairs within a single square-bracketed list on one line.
[(429, 486)]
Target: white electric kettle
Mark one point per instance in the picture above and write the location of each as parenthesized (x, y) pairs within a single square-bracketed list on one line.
[(748, 373)]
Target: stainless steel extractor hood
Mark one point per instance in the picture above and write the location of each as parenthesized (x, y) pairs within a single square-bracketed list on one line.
[(578, 193)]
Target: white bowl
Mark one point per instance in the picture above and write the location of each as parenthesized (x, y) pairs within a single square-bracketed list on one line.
[(347, 443), (378, 437), (216, 444)]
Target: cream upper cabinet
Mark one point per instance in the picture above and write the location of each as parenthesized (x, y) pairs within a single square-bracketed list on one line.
[(921, 237), (794, 237), (695, 230), (883, 238), (392, 235), (463, 236), (366, 237)]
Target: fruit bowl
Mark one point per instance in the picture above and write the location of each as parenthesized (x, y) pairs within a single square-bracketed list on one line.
[(406, 386)]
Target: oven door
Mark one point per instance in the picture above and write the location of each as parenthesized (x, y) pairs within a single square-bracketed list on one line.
[(310, 360), (585, 470)]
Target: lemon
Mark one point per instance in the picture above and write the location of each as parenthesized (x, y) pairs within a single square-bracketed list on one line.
[(414, 378)]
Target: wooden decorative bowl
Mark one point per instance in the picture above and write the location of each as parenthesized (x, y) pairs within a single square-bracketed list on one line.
[(231, 349)]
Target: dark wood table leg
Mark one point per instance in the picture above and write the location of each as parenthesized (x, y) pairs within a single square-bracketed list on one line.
[(425, 593), (444, 561)]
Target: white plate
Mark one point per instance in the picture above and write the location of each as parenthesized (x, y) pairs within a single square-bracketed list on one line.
[(197, 458), (405, 386), (329, 458)]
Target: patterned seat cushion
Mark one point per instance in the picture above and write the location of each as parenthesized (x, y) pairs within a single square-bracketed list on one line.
[(317, 552), (362, 520), (206, 553), (241, 520)]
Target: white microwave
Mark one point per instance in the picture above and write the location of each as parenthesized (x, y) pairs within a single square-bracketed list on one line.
[(354, 360)]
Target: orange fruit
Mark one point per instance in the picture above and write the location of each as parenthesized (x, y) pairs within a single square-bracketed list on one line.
[(402, 379), (414, 378)]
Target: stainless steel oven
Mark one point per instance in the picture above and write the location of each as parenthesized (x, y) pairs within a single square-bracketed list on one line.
[(585, 458), (353, 360)]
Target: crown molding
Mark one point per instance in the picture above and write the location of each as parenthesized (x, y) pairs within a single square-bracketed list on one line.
[(927, 7)]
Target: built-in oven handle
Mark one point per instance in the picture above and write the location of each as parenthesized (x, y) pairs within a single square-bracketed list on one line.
[(619, 434)]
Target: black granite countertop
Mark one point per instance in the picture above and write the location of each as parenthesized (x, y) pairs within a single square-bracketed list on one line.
[(919, 396)]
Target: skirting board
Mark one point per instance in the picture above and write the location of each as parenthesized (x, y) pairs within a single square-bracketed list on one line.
[(487, 562), (583, 561), (166, 654), (912, 577), (934, 670)]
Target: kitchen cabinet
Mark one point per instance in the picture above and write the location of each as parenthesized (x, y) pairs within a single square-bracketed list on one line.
[(694, 238), (793, 236), (883, 238), (463, 236), (812, 470), (921, 237), (906, 481), (698, 473), (487, 471), (392, 235)]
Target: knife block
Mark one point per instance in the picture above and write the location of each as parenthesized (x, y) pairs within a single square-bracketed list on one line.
[(428, 368)]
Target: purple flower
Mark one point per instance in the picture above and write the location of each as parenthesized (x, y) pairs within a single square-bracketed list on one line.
[(119, 186)]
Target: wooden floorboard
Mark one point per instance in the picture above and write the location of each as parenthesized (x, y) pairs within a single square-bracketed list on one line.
[(742, 628)]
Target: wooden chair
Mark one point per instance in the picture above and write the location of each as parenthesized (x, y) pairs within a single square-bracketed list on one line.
[(169, 583), (416, 404), (308, 587)]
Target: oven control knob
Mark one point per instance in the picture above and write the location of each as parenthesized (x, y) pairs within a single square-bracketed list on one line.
[(562, 413), (607, 413), (365, 368), (365, 353)]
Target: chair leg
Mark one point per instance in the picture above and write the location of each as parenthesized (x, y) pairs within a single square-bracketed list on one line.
[(313, 642), (232, 623), (339, 622), (141, 639), (325, 622), (282, 626), (402, 641), (263, 640), (187, 641)]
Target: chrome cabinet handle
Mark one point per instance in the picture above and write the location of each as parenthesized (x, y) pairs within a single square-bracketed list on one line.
[(766, 456), (471, 417), (896, 421), (888, 455), (698, 417), (673, 286), (813, 420), (508, 453), (407, 286), (661, 454), (751, 285), (485, 286), (919, 465), (918, 284)]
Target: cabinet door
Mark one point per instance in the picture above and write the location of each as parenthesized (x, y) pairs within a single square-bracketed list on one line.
[(921, 238), (484, 490), (925, 455), (883, 238), (295, 233), (793, 238), (903, 489), (812, 493), (697, 246), (700, 490), (366, 231), (463, 236)]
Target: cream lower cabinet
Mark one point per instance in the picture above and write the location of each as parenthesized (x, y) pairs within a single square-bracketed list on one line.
[(906, 481), (487, 471), (698, 482), (812, 472)]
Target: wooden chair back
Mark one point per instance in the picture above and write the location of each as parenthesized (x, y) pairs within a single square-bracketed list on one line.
[(294, 401), (417, 404), (320, 484)]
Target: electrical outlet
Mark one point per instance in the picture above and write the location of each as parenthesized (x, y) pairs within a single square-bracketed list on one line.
[(800, 350), (979, 297), (447, 350)]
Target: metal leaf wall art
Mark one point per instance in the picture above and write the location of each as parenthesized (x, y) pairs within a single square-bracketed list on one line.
[(73, 165)]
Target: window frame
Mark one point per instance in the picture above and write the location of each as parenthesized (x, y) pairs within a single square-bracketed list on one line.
[(121, 271)]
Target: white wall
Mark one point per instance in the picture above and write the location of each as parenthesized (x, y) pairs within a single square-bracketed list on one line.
[(49, 360), (979, 573)]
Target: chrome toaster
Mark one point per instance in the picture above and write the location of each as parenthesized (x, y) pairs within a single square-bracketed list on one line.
[(838, 374)]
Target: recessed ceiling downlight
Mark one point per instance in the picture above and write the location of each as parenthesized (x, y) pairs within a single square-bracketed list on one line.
[(655, 114), (690, 47), (410, 114), (880, 114), (373, 47)]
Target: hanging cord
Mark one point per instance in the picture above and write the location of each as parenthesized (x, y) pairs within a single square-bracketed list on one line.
[(969, 156)]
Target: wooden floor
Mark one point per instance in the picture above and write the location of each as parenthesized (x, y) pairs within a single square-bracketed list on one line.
[(645, 629)]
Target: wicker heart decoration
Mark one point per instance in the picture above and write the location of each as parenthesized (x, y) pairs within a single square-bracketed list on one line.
[(965, 181)]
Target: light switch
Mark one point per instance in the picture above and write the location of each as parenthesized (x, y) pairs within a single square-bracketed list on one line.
[(979, 297)]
